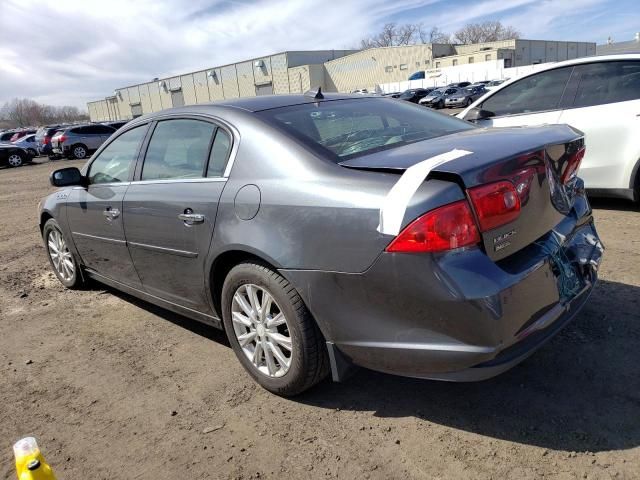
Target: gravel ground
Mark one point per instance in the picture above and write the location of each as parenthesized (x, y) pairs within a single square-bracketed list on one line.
[(114, 388)]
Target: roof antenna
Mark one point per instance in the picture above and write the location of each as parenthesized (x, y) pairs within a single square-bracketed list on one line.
[(317, 95)]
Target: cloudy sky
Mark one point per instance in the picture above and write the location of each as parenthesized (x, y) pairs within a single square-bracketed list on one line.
[(73, 51)]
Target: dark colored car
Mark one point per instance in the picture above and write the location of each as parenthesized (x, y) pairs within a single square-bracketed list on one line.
[(414, 95), (438, 96), (44, 136), (459, 84), (325, 231), (115, 125), (5, 137), (13, 156), (79, 141)]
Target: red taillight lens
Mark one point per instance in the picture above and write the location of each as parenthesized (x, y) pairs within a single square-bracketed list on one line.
[(46, 140), (62, 139), (495, 204), (573, 163), (445, 228)]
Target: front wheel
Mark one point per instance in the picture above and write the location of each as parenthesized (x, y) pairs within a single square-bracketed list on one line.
[(440, 105), (15, 160), (271, 331), (62, 261)]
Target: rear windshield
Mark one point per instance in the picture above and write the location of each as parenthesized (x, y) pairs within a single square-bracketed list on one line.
[(344, 129)]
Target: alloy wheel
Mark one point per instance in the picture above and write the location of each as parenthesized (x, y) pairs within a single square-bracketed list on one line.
[(79, 152), (60, 255), (15, 160), (261, 329)]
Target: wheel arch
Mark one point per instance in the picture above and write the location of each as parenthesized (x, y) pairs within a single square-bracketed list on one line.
[(45, 216), (222, 265)]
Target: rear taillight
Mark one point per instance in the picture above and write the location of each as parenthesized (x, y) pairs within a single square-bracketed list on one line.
[(445, 228), (46, 140), (572, 165), (62, 139), (495, 204)]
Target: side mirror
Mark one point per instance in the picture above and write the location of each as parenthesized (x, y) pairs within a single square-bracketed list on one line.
[(66, 177), (476, 114)]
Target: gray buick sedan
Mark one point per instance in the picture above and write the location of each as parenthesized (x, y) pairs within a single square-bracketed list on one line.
[(323, 232)]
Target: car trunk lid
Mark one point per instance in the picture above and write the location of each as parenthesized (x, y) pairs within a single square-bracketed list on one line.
[(533, 159)]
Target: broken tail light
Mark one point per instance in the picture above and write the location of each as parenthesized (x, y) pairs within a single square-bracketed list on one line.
[(495, 204), (572, 165)]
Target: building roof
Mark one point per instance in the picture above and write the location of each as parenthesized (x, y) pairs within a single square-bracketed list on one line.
[(632, 46)]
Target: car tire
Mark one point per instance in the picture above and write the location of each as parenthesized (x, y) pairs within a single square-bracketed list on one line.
[(78, 152), (16, 159), (467, 103), (440, 105), (66, 268), (307, 359)]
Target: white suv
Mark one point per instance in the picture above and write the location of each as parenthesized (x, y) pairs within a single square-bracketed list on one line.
[(597, 95)]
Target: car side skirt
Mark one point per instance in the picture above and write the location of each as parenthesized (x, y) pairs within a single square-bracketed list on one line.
[(187, 312), (623, 193)]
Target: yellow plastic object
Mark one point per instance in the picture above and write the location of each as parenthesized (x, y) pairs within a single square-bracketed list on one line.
[(30, 464)]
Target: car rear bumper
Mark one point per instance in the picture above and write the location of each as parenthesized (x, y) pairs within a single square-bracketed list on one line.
[(457, 316)]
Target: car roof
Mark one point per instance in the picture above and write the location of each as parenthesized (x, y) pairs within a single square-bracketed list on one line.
[(267, 102)]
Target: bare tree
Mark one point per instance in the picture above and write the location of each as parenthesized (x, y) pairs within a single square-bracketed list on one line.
[(489, 31), (22, 112), (434, 35), (392, 35)]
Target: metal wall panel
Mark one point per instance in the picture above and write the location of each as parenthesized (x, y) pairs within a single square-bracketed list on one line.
[(124, 108), (262, 73), (134, 94), (165, 94), (216, 89), (246, 83), (230, 81), (279, 73), (154, 97), (200, 87), (145, 101), (299, 79), (188, 90)]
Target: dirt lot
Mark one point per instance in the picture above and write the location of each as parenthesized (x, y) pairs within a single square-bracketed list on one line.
[(117, 389)]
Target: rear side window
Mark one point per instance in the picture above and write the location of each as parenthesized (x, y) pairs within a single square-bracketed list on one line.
[(219, 154), (116, 161), (607, 82), (178, 149), (343, 129), (537, 93), (78, 131)]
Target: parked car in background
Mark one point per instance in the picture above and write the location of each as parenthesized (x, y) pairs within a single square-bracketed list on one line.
[(28, 143), (436, 98), (361, 91), (414, 95), (600, 96), (493, 84), (208, 210), (459, 84), (392, 94), (43, 138), (79, 141), (464, 96), (18, 134), (12, 155), (5, 137)]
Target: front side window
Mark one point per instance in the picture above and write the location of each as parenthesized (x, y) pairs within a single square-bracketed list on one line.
[(536, 93), (607, 82), (116, 160), (350, 128), (178, 149)]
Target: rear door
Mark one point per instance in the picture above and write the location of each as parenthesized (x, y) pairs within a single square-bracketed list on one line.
[(533, 100), (605, 105), (170, 210), (94, 213)]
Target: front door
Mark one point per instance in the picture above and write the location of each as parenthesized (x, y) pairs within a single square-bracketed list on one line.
[(170, 210), (94, 213), (533, 100)]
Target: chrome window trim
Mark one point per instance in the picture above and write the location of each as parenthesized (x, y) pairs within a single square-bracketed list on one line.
[(179, 180)]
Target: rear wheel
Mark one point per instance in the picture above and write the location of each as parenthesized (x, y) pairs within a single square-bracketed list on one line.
[(15, 159), (62, 261), (79, 152), (440, 105), (271, 331)]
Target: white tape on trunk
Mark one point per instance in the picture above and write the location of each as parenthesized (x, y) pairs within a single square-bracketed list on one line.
[(398, 198)]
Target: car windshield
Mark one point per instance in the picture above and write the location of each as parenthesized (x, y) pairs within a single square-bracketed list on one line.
[(345, 129), (408, 94)]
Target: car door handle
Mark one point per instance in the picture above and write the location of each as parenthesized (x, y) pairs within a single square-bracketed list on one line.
[(111, 213), (191, 218)]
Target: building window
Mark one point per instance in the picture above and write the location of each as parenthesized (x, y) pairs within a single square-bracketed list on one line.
[(471, 59), (455, 62), (388, 69), (403, 66), (418, 64), (487, 57), (427, 62), (437, 64)]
